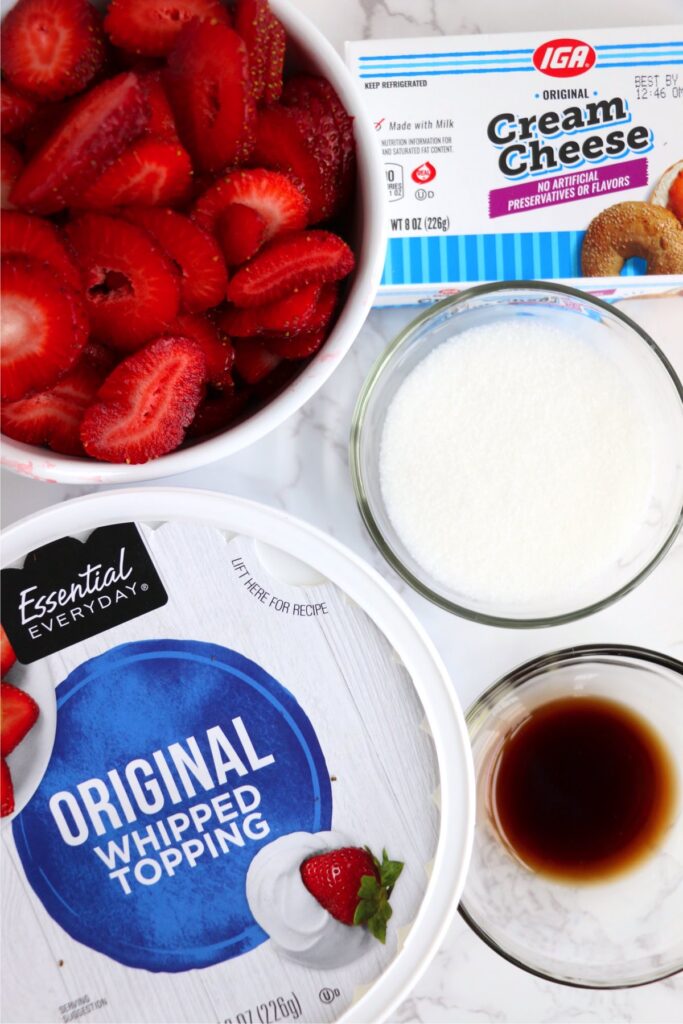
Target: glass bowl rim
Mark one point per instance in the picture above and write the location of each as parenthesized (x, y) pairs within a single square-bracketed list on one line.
[(377, 371), (514, 679)]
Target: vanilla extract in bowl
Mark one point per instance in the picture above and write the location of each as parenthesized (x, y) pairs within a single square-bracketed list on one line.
[(582, 789)]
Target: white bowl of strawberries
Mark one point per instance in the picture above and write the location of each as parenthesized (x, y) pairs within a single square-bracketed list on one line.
[(193, 230)]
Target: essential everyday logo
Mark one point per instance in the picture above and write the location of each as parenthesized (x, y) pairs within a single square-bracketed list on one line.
[(564, 58), (70, 590)]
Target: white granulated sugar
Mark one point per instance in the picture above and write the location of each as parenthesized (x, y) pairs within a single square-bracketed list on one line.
[(516, 462)]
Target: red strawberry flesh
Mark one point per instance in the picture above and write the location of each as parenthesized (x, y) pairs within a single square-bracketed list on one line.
[(15, 110), (150, 27), (218, 351), (207, 81), (291, 261), (273, 195), (11, 163), (51, 48), (194, 251), (252, 22), (151, 172), (240, 232), (6, 790), (93, 134), (7, 655), (286, 141), (18, 714), (53, 417), (24, 235), (132, 289), (146, 404), (44, 327)]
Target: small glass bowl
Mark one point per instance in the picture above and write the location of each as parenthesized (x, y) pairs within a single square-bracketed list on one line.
[(611, 334), (617, 932)]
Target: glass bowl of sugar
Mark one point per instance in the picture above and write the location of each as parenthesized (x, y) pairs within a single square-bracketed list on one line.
[(517, 454)]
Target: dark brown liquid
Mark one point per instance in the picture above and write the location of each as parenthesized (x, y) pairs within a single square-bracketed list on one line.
[(582, 789)]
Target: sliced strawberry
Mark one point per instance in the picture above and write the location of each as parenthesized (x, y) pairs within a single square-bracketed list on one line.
[(286, 141), (208, 85), (151, 27), (94, 133), (11, 163), (317, 95), (44, 327), (53, 417), (145, 405), (7, 655), (275, 61), (218, 351), (253, 361), (252, 22), (283, 316), (52, 48), (44, 124), (23, 235), (218, 412), (6, 790), (132, 288), (325, 309), (15, 110), (273, 195), (150, 172), (195, 253), (296, 346), (161, 120), (240, 232), (19, 713), (288, 262)]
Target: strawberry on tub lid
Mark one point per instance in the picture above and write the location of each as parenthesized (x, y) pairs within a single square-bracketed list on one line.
[(134, 220)]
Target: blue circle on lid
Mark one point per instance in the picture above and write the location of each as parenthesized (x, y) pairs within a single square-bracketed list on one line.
[(122, 707)]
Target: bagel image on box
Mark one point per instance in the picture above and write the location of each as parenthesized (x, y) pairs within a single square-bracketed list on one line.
[(220, 791), (539, 156)]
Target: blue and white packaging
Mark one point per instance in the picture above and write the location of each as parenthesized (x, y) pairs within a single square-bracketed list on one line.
[(499, 151)]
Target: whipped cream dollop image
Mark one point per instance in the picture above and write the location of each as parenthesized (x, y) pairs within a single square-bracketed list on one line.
[(281, 904)]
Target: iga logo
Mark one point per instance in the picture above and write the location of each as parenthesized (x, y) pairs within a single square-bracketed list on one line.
[(564, 58)]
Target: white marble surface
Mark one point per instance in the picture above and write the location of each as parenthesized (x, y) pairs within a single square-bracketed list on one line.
[(302, 467)]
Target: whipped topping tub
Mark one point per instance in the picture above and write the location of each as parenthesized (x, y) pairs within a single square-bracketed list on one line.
[(232, 707)]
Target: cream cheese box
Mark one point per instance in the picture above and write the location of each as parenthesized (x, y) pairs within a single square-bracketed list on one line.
[(501, 151)]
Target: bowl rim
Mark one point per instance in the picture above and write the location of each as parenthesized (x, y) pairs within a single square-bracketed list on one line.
[(512, 680), (52, 467), (377, 371)]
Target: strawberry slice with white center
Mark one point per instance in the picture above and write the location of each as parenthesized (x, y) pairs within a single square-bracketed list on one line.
[(92, 135), (52, 48), (146, 404), (151, 172), (53, 417), (207, 81), (277, 199), (150, 27), (23, 235), (194, 251), (291, 261), (44, 327)]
